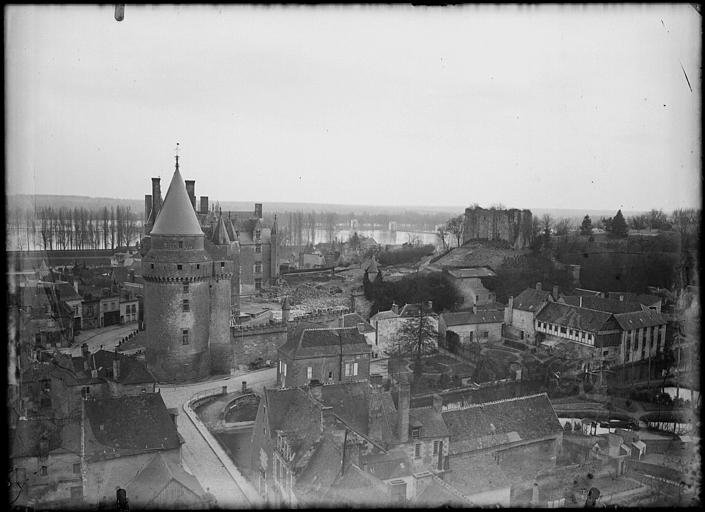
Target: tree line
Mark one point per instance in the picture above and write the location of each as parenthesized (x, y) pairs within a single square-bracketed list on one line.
[(65, 228)]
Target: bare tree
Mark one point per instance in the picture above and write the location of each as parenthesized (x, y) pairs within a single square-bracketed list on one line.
[(330, 223), (546, 224), (456, 227), (441, 234), (563, 227)]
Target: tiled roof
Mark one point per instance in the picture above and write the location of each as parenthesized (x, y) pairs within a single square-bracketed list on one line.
[(645, 299), (132, 371), (585, 292), (602, 304), (573, 317), (354, 320), (639, 319), (474, 474), (468, 317), (465, 273), (327, 342), (495, 423), (155, 476), (385, 466), (177, 216), (128, 425), (432, 424), (531, 299), (350, 402), (440, 494)]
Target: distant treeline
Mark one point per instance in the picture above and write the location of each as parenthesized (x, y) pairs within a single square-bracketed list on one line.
[(64, 228)]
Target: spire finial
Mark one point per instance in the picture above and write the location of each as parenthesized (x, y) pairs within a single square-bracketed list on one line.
[(177, 156)]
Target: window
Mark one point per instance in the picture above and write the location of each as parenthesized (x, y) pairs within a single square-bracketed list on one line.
[(330, 375), (258, 284), (415, 433), (606, 353), (45, 385), (134, 309), (258, 268), (86, 391), (198, 266), (186, 306), (284, 372), (77, 492), (258, 233), (184, 337), (485, 334), (563, 330), (43, 471), (417, 450), (222, 264), (179, 267), (185, 287), (151, 265), (309, 373), (436, 446), (258, 248), (181, 244), (77, 468)]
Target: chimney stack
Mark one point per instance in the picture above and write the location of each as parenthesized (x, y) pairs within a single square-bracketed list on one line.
[(538, 286), (191, 191), (116, 366), (403, 403), (474, 308), (258, 210), (204, 204), (555, 292), (147, 207), (156, 197), (75, 285), (508, 311), (437, 403)]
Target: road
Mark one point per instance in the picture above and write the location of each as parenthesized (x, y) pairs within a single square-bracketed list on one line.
[(108, 337), (197, 455)]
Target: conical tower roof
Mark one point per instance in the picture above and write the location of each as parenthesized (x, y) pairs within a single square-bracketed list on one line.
[(220, 233), (177, 216)]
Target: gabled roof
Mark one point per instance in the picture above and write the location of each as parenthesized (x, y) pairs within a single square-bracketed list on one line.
[(639, 319), (474, 474), (132, 371), (432, 424), (322, 468), (573, 317), (439, 493), (129, 425), (67, 292), (151, 480), (358, 487), (469, 318), (384, 315), (326, 342), (412, 310), (350, 401), (355, 320), (487, 425), (467, 273), (531, 299), (386, 466), (220, 233), (602, 304), (177, 216)]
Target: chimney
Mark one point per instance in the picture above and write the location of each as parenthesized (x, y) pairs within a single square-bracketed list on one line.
[(147, 207), (429, 305), (44, 445), (85, 354), (403, 409), (75, 285), (474, 308), (285, 310), (191, 191), (555, 292), (395, 308), (258, 210), (538, 286), (156, 197), (116, 366), (204, 204), (437, 402), (580, 301)]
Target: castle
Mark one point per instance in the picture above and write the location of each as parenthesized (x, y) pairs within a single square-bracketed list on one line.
[(512, 226), (195, 264)]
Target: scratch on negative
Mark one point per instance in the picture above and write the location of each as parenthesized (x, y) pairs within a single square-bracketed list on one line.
[(686, 77)]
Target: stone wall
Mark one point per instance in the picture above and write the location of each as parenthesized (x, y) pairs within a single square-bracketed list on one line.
[(512, 226), (262, 341)]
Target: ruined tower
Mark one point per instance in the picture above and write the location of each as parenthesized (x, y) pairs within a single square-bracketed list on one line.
[(177, 271)]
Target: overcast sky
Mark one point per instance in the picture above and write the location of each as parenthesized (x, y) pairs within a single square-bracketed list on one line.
[(539, 106)]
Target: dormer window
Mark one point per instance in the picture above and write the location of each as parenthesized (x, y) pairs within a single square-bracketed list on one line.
[(258, 233), (416, 432), (283, 447)]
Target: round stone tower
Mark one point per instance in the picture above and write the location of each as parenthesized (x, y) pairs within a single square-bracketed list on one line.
[(177, 271), (222, 269)]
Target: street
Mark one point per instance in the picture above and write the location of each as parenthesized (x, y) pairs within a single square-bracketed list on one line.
[(108, 337)]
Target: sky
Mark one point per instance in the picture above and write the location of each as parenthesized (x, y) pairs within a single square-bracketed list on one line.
[(534, 106)]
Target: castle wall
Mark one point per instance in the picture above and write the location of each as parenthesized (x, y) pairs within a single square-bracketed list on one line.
[(251, 344), (512, 226), (220, 349)]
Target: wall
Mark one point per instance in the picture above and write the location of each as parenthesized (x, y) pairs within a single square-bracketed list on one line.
[(512, 226), (250, 344), (321, 367), (59, 480), (494, 332), (525, 321), (221, 353)]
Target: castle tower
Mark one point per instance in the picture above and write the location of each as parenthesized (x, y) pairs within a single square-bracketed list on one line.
[(222, 270), (235, 281), (274, 250), (177, 271)]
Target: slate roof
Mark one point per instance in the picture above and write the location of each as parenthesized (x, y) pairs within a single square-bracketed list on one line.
[(354, 320), (469, 318), (439, 493), (156, 475), (493, 424), (432, 424), (573, 317), (474, 474), (177, 216), (602, 304), (645, 299), (220, 233), (324, 342), (383, 417), (67, 292), (350, 402), (130, 425), (358, 487), (386, 466), (465, 273), (531, 299), (384, 315), (639, 319), (322, 468), (412, 310), (132, 371)]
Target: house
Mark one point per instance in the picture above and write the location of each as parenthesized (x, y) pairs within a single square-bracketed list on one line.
[(324, 355), (520, 313), (469, 282), (471, 326), (45, 319), (121, 437), (595, 334), (69, 294), (388, 323), (652, 302), (522, 434), (109, 313), (643, 335), (45, 464)]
